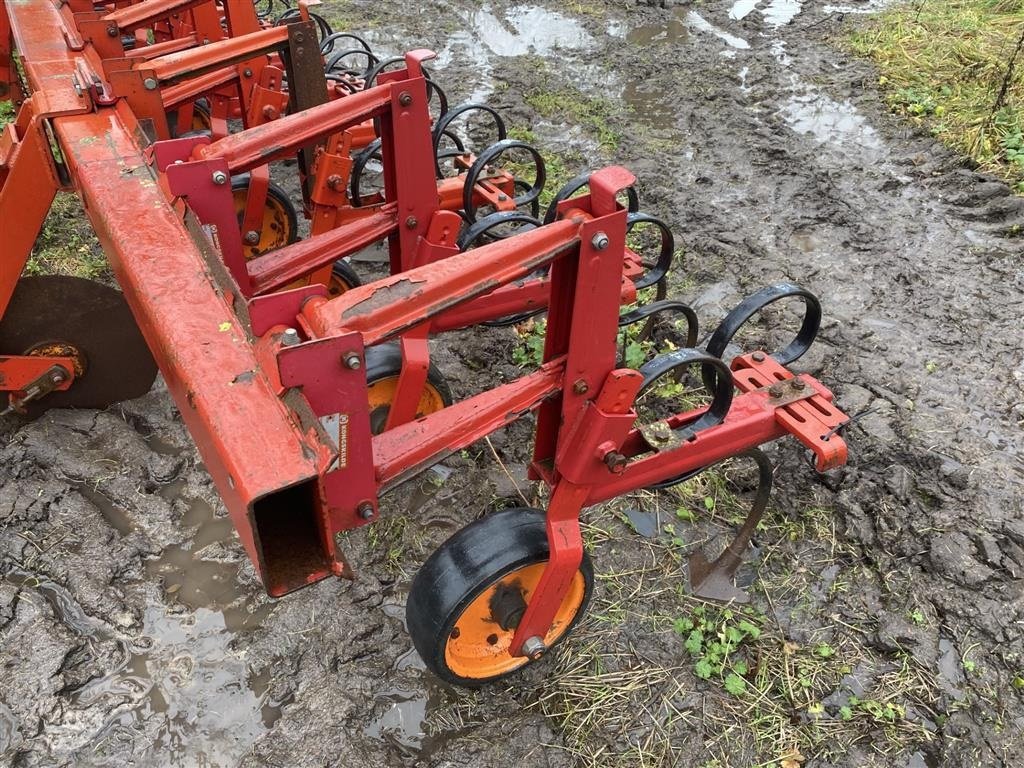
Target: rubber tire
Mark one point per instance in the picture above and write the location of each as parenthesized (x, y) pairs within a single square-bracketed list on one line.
[(385, 360), (343, 272), (466, 565)]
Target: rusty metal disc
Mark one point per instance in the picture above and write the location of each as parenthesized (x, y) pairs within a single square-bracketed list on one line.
[(89, 321)]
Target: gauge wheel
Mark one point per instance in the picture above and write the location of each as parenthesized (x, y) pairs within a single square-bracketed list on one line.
[(343, 278), (280, 225), (467, 599), (383, 365)]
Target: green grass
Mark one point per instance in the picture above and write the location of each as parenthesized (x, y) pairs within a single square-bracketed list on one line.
[(956, 67), (570, 105), (6, 113)]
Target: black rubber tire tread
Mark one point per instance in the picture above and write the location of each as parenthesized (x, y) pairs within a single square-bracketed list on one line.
[(385, 360), (464, 566), (344, 271)]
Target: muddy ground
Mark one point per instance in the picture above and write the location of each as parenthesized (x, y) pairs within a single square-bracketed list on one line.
[(133, 630)]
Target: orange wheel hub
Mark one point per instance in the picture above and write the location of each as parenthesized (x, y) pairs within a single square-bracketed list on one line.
[(478, 645)]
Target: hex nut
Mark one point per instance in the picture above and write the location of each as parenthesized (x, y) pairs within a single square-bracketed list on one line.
[(534, 648)]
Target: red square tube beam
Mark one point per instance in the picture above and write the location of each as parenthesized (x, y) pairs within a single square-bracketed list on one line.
[(144, 14), (279, 139), (206, 58), (265, 469)]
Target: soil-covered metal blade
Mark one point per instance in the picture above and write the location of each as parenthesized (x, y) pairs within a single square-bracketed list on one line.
[(73, 316)]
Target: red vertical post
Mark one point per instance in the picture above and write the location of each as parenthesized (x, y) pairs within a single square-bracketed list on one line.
[(26, 195)]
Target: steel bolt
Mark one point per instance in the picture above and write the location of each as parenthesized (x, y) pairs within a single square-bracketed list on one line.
[(335, 182), (502, 198), (411, 222), (352, 361), (289, 338), (58, 377), (405, 98), (112, 30), (150, 84), (600, 241), (252, 237), (797, 384), (269, 113), (219, 177), (247, 72), (615, 462), (299, 37), (365, 510), (758, 357), (534, 648), (775, 390), (580, 387)]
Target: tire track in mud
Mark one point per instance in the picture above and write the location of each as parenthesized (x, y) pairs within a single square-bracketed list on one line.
[(758, 142)]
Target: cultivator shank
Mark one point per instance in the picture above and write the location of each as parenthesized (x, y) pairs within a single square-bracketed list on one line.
[(308, 394)]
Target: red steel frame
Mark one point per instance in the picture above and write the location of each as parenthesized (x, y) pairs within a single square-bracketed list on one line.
[(254, 404)]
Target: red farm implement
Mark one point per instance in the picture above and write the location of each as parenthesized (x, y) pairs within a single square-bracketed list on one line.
[(310, 395)]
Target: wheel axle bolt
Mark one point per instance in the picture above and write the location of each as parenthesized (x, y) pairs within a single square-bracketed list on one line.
[(615, 462), (352, 361), (404, 98), (252, 237), (534, 648), (600, 241), (758, 357), (289, 338), (580, 387), (219, 177), (150, 84), (365, 510), (57, 377)]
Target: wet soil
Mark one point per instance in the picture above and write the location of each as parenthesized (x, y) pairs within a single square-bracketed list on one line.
[(133, 630)]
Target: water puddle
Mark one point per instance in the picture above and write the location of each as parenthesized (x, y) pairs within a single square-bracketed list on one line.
[(872, 6), (672, 32), (401, 723), (778, 13), (184, 687), (516, 31), (829, 121), (697, 22), (742, 8)]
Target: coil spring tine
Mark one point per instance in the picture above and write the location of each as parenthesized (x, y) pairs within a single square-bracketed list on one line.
[(335, 59), (486, 158), (650, 311), (323, 28), (721, 387), (574, 185), (658, 273), (381, 64), (327, 46), (751, 306), (359, 162), (441, 126), (482, 227)]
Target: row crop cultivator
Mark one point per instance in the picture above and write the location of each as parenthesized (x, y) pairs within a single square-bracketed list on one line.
[(308, 394)]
